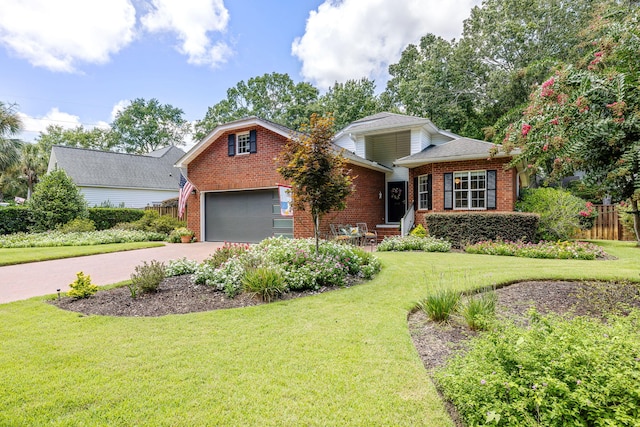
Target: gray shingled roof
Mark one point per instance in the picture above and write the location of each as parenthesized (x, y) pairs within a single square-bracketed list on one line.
[(458, 149), (108, 169), (385, 120)]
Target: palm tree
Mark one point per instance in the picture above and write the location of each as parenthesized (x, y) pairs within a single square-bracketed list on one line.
[(10, 125), (33, 165)]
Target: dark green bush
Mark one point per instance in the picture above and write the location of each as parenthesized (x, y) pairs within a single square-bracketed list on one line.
[(56, 200), (15, 219), (105, 218), (552, 372), (78, 225), (165, 224), (559, 212), (472, 227)]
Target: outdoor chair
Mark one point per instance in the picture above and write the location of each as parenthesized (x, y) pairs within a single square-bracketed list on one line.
[(338, 234), (368, 237)]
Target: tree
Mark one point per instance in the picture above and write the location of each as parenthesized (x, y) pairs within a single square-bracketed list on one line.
[(56, 200), (32, 165), (585, 117), (10, 125), (272, 97), (94, 139), (350, 101), (316, 172), (145, 126)]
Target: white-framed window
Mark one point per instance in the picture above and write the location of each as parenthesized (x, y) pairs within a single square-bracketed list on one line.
[(423, 192), (470, 190), (243, 145)]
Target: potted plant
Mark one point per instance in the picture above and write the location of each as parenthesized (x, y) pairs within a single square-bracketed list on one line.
[(185, 234)]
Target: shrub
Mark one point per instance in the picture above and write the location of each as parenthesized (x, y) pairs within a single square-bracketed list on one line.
[(56, 200), (440, 305), (553, 372), (82, 287), (465, 228), (77, 225), (267, 283), (478, 312), (419, 231), (228, 277), (15, 219), (552, 250), (229, 250), (57, 238), (165, 224), (559, 211), (414, 243), (178, 267), (105, 218), (147, 277)]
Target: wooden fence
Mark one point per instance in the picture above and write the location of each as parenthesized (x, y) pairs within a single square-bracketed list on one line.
[(171, 210), (607, 226)]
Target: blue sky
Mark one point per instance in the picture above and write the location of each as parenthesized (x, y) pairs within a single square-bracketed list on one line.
[(71, 62)]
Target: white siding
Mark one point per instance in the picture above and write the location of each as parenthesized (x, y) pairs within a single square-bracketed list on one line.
[(360, 147), (420, 139), (399, 174), (132, 198), (346, 142), (387, 148), (440, 139)]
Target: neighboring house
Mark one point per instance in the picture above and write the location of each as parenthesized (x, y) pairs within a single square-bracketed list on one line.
[(132, 180), (404, 167)]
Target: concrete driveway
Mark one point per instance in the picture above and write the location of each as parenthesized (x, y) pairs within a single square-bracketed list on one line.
[(24, 281)]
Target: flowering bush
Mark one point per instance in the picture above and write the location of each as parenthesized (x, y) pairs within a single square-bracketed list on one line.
[(178, 267), (295, 261), (587, 216), (553, 372), (414, 243), (58, 238), (557, 250)]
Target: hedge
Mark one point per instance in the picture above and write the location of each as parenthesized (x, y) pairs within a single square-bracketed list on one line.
[(15, 219), (472, 227), (105, 218)]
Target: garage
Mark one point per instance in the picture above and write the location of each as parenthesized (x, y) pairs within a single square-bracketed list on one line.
[(244, 216)]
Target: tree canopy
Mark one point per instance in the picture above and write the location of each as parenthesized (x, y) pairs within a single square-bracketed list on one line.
[(145, 126), (587, 115)]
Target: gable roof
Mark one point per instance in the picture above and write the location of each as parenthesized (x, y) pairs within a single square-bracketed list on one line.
[(274, 127), (459, 149), (94, 168)]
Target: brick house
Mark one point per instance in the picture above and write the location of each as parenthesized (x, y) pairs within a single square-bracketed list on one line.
[(404, 166)]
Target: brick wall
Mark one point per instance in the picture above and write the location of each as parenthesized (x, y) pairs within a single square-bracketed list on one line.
[(215, 170), (506, 183), (363, 205)]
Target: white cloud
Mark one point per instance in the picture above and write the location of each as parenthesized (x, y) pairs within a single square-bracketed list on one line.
[(192, 21), (119, 106), (59, 34), (350, 39), (34, 125)]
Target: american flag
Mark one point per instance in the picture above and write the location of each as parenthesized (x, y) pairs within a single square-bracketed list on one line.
[(185, 189)]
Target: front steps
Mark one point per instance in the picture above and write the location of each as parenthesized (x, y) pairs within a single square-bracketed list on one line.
[(385, 230)]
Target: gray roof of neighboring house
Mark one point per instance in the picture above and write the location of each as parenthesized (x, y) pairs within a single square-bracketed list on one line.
[(458, 149), (87, 168)]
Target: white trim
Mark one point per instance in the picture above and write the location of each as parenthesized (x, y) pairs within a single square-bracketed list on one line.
[(420, 208), (248, 143), (469, 190), (421, 162)]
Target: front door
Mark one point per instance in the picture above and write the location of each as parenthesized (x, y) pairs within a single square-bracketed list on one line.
[(396, 200)]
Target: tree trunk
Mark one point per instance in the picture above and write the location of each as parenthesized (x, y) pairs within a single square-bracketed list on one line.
[(636, 220), (316, 230)]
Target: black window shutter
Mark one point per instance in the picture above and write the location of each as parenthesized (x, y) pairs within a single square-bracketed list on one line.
[(429, 197), (416, 195), (491, 189), (448, 190), (253, 143), (232, 144)]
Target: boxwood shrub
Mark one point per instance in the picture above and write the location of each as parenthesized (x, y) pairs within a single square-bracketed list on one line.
[(471, 227), (105, 218), (15, 219)]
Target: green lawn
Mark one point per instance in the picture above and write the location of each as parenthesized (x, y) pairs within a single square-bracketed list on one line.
[(339, 358), (9, 256)]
